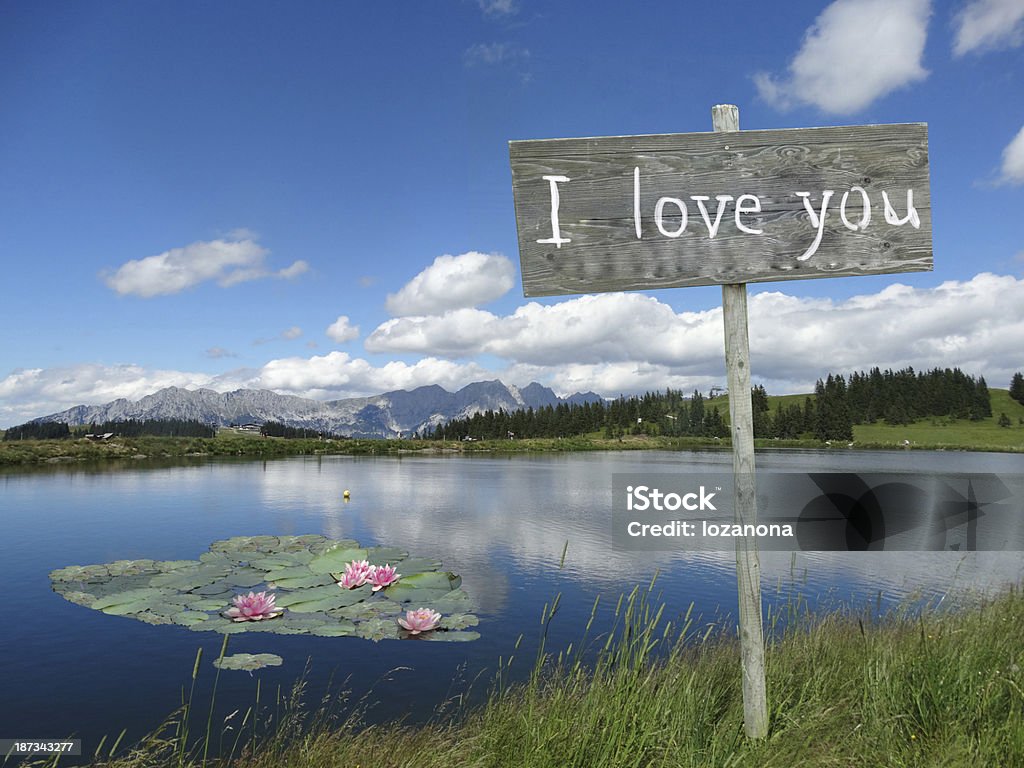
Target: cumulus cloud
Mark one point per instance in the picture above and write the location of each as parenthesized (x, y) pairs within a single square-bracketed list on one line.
[(988, 25), (228, 262), (855, 52), (794, 340), (1012, 171), (453, 282), (336, 374), (342, 330), (27, 394)]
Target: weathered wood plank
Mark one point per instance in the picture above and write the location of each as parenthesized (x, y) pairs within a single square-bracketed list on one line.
[(597, 207)]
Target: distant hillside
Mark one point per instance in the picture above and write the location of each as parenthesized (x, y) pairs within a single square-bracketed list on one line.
[(387, 415)]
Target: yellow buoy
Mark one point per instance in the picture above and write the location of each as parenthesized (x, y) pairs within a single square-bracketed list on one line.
[(346, 494)]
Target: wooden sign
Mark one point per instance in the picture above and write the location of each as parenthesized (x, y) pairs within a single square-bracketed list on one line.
[(639, 212)]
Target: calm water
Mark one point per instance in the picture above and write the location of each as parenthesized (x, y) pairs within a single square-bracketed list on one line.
[(500, 522)]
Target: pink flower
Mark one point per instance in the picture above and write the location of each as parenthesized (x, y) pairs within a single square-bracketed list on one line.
[(253, 607), (356, 574), (383, 576), (421, 620)]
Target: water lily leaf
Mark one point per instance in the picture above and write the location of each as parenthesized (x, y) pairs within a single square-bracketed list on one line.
[(338, 600), (281, 560), (121, 609), (432, 580), (409, 593), (286, 599), (200, 603), (79, 598), (248, 661), (125, 598), (215, 589), (385, 555), (456, 601), (368, 609), (69, 573), (189, 578), (245, 577), (416, 565), (458, 621), (334, 560), (450, 637), (378, 629), (119, 584), (220, 625), (173, 565), (152, 618), (123, 567), (335, 629), (288, 572), (190, 618), (304, 582)]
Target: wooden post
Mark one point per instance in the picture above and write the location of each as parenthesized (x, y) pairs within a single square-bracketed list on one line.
[(726, 117)]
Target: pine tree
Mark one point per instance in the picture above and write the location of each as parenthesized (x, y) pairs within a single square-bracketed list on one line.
[(1017, 387)]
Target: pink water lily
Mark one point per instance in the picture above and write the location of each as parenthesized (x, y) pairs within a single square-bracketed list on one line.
[(420, 620), (255, 606), (356, 574), (383, 576)]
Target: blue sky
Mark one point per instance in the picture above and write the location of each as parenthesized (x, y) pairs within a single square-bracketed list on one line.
[(316, 198)]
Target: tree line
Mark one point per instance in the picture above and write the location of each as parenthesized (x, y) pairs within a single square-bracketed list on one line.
[(839, 402), (277, 429), (50, 430)]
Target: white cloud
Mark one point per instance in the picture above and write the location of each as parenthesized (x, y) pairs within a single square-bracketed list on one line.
[(27, 394), (226, 261), (216, 353), (453, 282), (342, 330), (612, 337), (491, 54), (855, 52), (336, 374), (1012, 171), (611, 344), (989, 25)]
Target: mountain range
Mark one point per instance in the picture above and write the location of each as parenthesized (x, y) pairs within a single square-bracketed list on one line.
[(402, 412)]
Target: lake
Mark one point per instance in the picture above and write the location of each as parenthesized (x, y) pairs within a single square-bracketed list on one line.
[(500, 522)]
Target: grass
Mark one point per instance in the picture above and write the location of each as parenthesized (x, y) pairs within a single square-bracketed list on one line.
[(939, 688)]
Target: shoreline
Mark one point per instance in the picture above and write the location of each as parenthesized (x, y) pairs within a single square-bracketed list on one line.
[(43, 452)]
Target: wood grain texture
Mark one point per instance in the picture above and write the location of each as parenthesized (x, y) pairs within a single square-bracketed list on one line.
[(725, 118), (596, 207)]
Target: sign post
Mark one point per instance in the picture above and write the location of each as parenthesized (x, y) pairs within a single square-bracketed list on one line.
[(726, 117), (724, 208)]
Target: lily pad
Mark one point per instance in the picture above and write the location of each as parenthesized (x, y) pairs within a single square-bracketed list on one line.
[(335, 560), (124, 598), (451, 637), (248, 662)]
